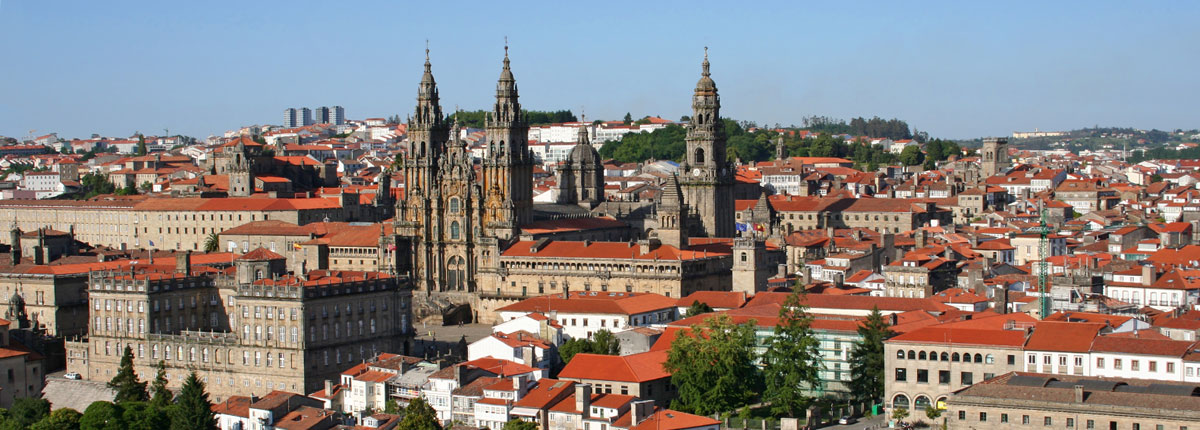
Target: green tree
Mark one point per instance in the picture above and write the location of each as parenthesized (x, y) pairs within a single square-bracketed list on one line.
[(93, 184), (212, 243), (603, 342), (867, 360), (792, 362), (192, 408), (141, 146), (1155, 178), (102, 416), (628, 118), (697, 308), (128, 190), (161, 396), (24, 412), (712, 366), (126, 383), (392, 407), (571, 347), (60, 419), (144, 416), (521, 425), (900, 414), (933, 413), (911, 156), (419, 416)]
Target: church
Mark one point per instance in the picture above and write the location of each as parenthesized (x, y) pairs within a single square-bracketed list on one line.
[(472, 239)]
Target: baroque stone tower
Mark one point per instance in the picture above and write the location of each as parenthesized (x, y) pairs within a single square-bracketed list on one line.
[(241, 178), (707, 175), (581, 179), (438, 220), (508, 165), (994, 156), (671, 212)]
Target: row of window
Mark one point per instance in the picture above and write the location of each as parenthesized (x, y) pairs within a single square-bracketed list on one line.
[(955, 357), (964, 378), (1048, 421)]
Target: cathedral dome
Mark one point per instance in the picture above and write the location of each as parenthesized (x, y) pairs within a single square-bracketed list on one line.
[(583, 155)]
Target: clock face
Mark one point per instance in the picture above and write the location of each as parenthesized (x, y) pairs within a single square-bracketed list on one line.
[(696, 172)]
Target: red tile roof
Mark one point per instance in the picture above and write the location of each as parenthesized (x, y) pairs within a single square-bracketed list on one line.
[(1063, 336), (643, 367), (594, 302)]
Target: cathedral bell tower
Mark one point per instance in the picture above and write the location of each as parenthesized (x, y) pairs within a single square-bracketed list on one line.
[(508, 165), (707, 176)]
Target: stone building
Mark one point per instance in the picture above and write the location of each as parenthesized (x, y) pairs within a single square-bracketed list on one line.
[(25, 368), (708, 176), (581, 178), (923, 367), (245, 329), (994, 156), (1023, 400), (167, 223)]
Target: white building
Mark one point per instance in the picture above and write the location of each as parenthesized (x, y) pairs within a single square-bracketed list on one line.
[(520, 347), (583, 313)]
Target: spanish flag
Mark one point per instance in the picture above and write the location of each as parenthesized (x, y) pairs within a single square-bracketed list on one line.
[(296, 246)]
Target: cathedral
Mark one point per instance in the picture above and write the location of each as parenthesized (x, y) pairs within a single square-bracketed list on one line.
[(470, 236)]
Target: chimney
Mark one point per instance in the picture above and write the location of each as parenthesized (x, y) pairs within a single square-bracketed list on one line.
[(183, 263), (517, 385), (527, 356), (328, 388), (919, 238), (1078, 394), (1148, 275), (583, 399), (39, 255), (641, 410), (459, 371)]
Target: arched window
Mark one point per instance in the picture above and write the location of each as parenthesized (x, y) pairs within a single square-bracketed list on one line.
[(922, 356), (699, 158), (454, 230), (954, 357), (258, 274), (912, 355), (900, 354), (454, 205), (933, 356), (989, 359), (945, 357), (978, 358), (900, 402), (921, 403)]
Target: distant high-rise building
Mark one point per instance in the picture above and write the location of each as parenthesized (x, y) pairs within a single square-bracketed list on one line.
[(290, 118), (306, 117), (330, 115), (337, 115), (321, 115)]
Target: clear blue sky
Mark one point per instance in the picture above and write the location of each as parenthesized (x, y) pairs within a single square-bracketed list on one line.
[(958, 69)]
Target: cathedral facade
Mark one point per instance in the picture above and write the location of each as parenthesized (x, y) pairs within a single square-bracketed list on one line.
[(460, 220)]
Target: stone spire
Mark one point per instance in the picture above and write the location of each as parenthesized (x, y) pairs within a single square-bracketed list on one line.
[(583, 131), (779, 148), (671, 196), (507, 108), (707, 175), (672, 215)]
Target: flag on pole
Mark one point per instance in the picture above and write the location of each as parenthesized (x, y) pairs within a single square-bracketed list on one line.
[(759, 227), (742, 227)]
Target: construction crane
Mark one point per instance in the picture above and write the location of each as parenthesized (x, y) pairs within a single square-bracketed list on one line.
[(1043, 278)]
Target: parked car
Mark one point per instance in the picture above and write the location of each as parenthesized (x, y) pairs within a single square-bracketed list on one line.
[(847, 420), (72, 375)]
